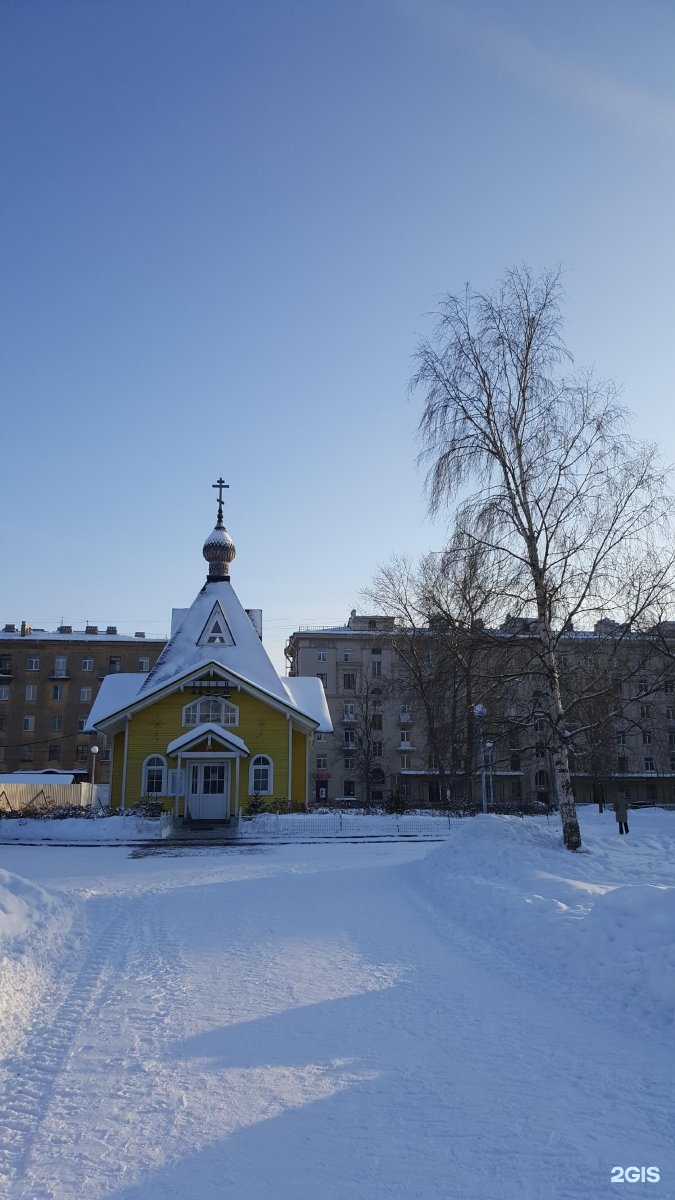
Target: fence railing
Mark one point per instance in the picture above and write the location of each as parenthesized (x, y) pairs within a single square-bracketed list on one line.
[(344, 825)]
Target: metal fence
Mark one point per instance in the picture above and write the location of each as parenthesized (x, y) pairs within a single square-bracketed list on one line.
[(41, 797), (345, 825)]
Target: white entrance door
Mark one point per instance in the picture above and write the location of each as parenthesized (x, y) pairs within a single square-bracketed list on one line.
[(210, 790)]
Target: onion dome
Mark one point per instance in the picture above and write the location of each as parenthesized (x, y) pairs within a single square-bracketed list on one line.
[(219, 550)]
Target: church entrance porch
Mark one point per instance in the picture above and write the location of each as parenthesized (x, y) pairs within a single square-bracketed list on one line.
[(209, 790)]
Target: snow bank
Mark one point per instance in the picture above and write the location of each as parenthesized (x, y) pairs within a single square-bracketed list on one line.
[(33, 924), (82, 831), (600, 924)]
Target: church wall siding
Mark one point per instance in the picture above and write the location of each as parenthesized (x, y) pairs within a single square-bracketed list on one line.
[(262, 728)]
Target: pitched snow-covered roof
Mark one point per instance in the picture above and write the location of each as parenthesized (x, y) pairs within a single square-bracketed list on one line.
[(115, 693), (200, 732), (308, 695), (192, 645)]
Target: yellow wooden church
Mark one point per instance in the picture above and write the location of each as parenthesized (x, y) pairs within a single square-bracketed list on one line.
[(212, 725)]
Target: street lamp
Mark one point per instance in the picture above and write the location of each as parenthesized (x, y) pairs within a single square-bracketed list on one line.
[(94, 752)]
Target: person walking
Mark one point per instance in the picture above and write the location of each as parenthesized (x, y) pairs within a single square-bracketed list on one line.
[(621, 812)]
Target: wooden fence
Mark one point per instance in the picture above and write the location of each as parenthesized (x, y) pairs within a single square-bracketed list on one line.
[(15, 797)]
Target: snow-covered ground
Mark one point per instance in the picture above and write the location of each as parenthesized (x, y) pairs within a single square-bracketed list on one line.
[(81, 830), (486, 1019)]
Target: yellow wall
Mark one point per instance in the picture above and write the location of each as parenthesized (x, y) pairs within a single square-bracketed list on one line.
[(262, 728), (299, 769)]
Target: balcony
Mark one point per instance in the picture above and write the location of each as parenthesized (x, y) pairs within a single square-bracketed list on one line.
[(404, 745), (60, 675)]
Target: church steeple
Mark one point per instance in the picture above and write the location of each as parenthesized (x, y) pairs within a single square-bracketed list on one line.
[(219, 549)]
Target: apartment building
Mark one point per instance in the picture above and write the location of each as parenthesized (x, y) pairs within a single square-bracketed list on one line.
[(48, 683), (618, 690)]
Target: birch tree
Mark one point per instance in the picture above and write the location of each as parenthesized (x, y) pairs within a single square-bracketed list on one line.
[(547, 474)]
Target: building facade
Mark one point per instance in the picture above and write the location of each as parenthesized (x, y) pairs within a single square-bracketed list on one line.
[(618, 693), (211, 730), (48, 683)]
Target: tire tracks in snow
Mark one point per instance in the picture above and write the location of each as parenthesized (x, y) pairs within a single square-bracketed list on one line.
[(90, 1086)]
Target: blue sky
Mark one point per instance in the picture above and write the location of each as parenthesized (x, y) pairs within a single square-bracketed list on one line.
[(223, 227)]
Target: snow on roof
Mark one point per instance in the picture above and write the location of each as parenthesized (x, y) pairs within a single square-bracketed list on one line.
[(308, 695), (247, 657), (115, 693), (200, 732)]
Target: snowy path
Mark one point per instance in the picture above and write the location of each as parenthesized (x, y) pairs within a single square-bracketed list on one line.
[(302, 1022)]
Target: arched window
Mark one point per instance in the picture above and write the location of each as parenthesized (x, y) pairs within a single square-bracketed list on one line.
[(260, 776), (154, 775), (213, 709), (541, 779)]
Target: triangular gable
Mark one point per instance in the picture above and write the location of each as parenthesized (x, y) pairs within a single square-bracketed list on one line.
[(209, 730), (216, 632)]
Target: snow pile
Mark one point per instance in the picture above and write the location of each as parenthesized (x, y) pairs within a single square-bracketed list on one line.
[(77, 831), (600, 924), (33, 924)]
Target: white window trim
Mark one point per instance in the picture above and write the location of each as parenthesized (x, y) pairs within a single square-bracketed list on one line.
[(187, 724), (270, 779), (148, 763)]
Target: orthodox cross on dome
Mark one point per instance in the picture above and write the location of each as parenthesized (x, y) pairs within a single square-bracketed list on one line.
[(220, 484)]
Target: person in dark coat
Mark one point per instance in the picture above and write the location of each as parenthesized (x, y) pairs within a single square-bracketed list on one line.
[(621, 811)]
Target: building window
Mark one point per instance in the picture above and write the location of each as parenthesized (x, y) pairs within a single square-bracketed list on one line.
[(154, 775), (515, 762), (405, 762), (321, 656), (348, 711), (349, 788), (54, 752), (649, 764), (85, 693), (539, 725), (144, 664), (3, 722), (672, 766), (376, 666), (669, 687), (622, 765), (376, 721), (642, 687), (81, 753), (516, 789), (349, 681), (26, 754), (646, 737), (61, 666), (87, 664), (31, 691), (260, 776), (56, 724), (33, 664), (323, 677), (644, 711), (319, 736), (57, 691), (349, 739), (2, 753), (651, 791), (5, 664), (350, 762), (321, 762), (114, 664), (621, 739), (211, 709), (107, 754), (29, 724), (541, 780), (348, 655), (4, 692), (377, 749), (376, 650), (405, 715), (669, 714), (81, 724)]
